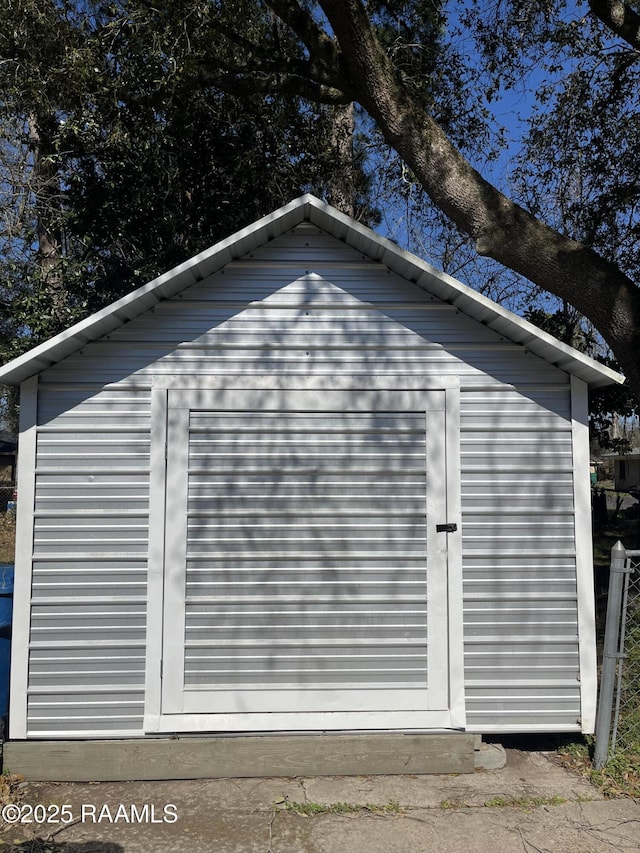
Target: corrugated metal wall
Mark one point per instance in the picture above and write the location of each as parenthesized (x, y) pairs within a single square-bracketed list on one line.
[(339, 313), (316, 635), (90, 556)]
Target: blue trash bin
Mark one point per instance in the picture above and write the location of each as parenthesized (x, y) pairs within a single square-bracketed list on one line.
[(6, 612)]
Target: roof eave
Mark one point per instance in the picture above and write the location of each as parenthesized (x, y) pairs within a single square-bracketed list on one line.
[(468, 301), (168, 284), (311, 209)]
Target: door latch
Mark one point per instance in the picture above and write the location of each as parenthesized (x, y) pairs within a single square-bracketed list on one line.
[(446, 528)]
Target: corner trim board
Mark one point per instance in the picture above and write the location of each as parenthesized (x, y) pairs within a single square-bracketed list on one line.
[(21, 628), (584, 554)]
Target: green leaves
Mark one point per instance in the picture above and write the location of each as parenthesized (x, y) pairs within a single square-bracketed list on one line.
[(120, 156)]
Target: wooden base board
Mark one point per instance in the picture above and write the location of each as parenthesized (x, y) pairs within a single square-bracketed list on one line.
[(242, 756)]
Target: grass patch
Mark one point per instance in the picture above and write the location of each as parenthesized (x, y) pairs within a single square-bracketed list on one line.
[(524, 802), (315, 809), (498, 802), (620, 777), (605, 537)]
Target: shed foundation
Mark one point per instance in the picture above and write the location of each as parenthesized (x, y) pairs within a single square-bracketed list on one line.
[(253, 756)]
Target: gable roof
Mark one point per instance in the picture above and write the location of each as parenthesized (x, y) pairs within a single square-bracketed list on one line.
[(308, 208)]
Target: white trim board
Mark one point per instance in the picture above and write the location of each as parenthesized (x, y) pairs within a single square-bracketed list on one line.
[(24, 558), (584, 554), (446, 423)]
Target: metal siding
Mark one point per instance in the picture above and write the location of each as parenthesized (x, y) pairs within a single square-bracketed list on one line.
[(88, 614), (519, 567), (302, 305), (306, 212), (361, 617)]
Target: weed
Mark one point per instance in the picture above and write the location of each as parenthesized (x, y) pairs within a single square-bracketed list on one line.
[(314, 809), (524, 802), (497, 802), (620, 777), (575, 749)]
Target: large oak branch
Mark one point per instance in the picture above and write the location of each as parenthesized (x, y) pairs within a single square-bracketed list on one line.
[(501, 229), (619, 18)]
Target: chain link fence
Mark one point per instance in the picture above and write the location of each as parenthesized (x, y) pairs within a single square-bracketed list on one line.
[(6, 498), (618, 722), (625, 735)]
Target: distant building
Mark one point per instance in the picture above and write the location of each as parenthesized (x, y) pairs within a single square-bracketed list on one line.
[(626, 469)]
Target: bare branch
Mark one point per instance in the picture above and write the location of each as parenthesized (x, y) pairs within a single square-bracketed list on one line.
[(317, 42), (319, 78), (325, 55), (243, 83)]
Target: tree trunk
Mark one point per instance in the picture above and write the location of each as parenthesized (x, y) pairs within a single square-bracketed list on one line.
[(341, 191), (45, 189), (501, 229)]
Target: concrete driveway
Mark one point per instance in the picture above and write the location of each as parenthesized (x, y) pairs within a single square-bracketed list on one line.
[(531, 805)]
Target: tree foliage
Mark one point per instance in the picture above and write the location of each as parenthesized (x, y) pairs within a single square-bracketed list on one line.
[(578, 168), (135, 133), (345, 51), (120, 158)]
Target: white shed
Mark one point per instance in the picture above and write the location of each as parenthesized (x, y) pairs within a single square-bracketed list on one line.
[(303, 482)]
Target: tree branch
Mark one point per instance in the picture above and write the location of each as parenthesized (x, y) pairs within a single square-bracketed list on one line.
[(243, 84), (325, 59), (318, 78), (242, 42), (619, 18), (501, 229), (317, 42)]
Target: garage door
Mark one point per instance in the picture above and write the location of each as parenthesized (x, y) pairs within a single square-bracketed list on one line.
[(303, 573)]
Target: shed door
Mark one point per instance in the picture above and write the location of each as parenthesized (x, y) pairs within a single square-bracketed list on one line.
[(303, 572)]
